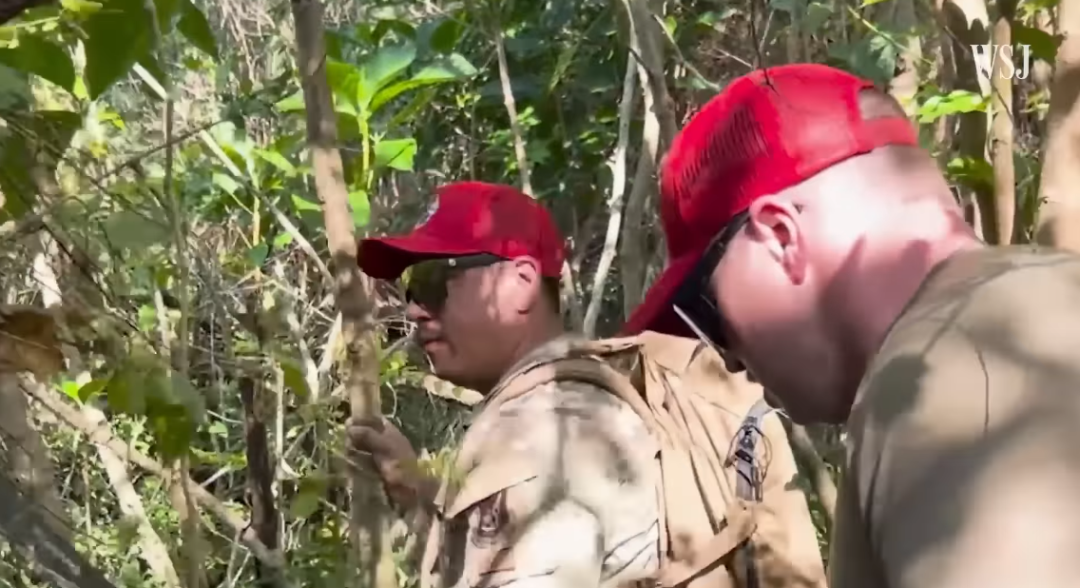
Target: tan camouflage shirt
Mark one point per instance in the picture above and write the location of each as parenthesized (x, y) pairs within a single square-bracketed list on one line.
[(554, 488)]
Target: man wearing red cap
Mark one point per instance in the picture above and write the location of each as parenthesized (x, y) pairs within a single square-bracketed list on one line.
[(556, 481), (817, 246), (555, 487)]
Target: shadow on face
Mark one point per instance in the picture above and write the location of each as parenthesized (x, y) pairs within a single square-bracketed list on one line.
[(764, 286), (808, 267), (472, 336)]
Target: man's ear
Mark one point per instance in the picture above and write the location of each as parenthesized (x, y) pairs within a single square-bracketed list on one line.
[(774, 223), (527, 281)]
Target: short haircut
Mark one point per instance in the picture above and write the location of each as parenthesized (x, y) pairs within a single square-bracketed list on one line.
[(875, 104), (552, 292)]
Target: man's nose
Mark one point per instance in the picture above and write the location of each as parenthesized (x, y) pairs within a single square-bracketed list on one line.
[(416, 313)]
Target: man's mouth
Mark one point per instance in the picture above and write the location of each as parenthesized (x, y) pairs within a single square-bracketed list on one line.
[(428, 341)]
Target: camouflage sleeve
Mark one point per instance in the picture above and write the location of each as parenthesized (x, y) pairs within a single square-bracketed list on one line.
[(530, 535), (587, 515)]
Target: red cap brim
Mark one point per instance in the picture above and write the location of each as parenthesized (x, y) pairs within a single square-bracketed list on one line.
[(386, 258), (655, 313)]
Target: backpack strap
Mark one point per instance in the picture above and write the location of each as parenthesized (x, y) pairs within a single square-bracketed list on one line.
[(740, 516), (749, 476), (748, 483)]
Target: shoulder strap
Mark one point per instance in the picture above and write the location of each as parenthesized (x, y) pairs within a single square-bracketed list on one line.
[(748, 483), (749, 477), (741, 521)]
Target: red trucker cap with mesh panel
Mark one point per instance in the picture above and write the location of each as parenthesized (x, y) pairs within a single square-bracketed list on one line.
[(469, 218), (765, 132)]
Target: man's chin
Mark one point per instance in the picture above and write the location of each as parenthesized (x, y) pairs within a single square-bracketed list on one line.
[(814, 415), (443, 370), (796, 412)]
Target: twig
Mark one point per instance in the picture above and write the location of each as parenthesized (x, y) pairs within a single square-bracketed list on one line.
[(511, 112), (152, 150), (101, 434), (615, 202), (237, 175)]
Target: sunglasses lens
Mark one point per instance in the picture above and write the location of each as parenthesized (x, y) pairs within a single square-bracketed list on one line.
[(696, 305), (427, 279), (427, 285), (707, 318)]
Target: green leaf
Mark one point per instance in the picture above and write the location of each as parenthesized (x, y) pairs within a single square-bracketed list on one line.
[(124, 390), (873, 58), (292, 103), (794, 7), (277, 160), (361, 207), (1044, 46), (395, 153), (81, 8), (257, 254), (308, 495), (671, 25), (294, 377), (165, 10), (974, 173), (194, 26), (282, 241), (866, 3), (382, 68), (42, 58), (816, 17), (225, 182), (333, 40), (955, 102), (35, 139), (91, 389), (302, 204), (344, 79), (147, 318), (127, 229), (15, 93), (421, 98), (443, 70), (184, 394), (446, 35), (70, 388), (401, 27), (174, 410), (117, 36)]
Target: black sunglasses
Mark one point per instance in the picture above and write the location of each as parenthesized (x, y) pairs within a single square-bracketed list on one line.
[(693, 301), (428, 279)]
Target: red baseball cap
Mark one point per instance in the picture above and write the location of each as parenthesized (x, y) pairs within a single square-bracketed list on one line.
[(765, 132), (469, 218)]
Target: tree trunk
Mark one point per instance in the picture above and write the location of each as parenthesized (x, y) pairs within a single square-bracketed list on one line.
[(1059, 217), (369, 520), (902, 17), (968, 23), (659, 129), (1000, 219), (260, 472)]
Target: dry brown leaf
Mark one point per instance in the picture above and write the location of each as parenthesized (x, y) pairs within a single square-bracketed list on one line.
[(29, 341)]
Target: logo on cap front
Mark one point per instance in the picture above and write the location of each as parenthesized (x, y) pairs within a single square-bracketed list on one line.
[(430, 213)]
